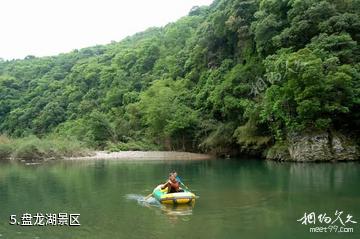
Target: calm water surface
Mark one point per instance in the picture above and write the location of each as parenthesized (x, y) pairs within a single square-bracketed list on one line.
[(238, 198)]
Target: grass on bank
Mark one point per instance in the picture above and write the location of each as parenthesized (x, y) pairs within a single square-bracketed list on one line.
[(34, 148)]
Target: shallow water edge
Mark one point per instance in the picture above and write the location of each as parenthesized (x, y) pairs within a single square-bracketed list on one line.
[(143, 155)]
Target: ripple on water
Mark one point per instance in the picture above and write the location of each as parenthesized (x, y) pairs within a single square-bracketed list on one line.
[(141, 200)]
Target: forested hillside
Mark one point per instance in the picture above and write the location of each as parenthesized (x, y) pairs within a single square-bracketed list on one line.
[(235, 77)]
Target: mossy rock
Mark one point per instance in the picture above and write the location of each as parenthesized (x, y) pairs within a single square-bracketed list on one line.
[(279, 152)]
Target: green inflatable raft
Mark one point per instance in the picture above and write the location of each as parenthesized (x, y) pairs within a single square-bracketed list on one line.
[(162, 196)]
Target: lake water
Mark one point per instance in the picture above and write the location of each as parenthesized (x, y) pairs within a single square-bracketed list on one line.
[(238, 198)]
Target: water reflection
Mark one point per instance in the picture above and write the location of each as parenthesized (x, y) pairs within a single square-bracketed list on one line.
[(178, 210)]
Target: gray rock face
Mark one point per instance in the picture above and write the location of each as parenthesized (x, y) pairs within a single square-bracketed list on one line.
[(310, 148), (344, 149), (321, 147)]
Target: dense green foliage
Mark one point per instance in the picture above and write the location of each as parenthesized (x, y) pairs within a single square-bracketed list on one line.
[(235, 76)]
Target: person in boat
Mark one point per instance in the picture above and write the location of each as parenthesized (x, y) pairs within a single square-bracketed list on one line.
[(176, 176), (172, 184)]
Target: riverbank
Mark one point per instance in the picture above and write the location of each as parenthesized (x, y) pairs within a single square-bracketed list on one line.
[(142, 155), (308, 147), (32, 148)]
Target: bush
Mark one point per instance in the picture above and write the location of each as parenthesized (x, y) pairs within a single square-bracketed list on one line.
[(34, 148), (131, 146), (65, 147), (5, 151), (4, 139), (28, 151), (279, 152)]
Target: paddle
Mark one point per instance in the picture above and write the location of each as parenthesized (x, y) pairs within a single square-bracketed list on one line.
[(179, 179), (148, 196)]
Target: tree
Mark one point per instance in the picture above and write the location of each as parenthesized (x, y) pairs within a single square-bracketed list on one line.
[(312, 93), (164, 112)]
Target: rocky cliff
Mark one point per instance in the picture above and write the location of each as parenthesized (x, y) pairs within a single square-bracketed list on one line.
[(316, 147)]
